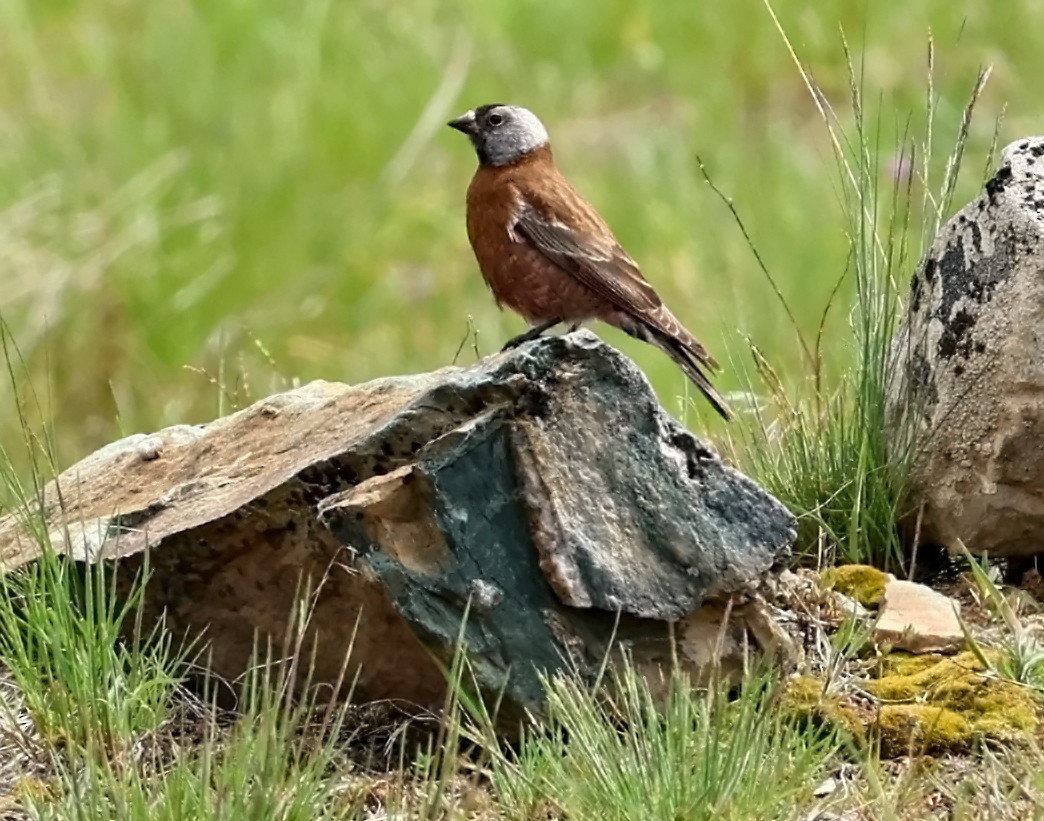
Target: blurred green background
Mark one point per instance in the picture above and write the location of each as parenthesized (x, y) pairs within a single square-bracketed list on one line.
[(250, 192)]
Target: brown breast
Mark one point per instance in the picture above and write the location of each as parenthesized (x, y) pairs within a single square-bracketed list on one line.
[(519, 276)]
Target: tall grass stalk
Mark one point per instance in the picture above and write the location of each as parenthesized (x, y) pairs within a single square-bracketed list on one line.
[(836, 455)]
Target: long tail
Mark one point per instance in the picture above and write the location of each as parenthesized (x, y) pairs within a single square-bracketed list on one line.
[(685, 360)]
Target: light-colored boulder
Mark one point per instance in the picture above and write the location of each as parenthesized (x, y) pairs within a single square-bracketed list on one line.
[(968, 388)]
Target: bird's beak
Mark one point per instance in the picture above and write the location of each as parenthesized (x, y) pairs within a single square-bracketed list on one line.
[(465, 123)]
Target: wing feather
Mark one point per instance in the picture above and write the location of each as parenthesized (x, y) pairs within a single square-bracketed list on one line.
[(597, 260)]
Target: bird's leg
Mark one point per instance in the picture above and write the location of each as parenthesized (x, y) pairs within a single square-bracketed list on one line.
[(574, 327), (531, 334)]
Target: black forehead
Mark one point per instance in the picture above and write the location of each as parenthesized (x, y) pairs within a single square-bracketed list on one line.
[(483, 110)]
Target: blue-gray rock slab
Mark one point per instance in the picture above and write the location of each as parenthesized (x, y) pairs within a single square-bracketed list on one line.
[(547, 543), (626, 510)]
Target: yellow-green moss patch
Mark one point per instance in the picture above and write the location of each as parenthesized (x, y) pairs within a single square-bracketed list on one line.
[(928, 704), (905, 676), (861, 582), (805, 699), (920, 729), (946, 703), (39, 790)]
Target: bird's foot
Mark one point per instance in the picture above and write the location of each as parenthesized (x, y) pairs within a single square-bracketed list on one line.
[(531, 334)]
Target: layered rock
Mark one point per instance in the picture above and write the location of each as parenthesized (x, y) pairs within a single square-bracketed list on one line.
[(539, 507)]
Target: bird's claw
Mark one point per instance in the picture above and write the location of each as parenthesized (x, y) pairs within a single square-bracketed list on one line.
[(533, 333), (515, 341)]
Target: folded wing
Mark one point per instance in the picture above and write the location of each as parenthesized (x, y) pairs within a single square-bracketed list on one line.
[(596, 259)]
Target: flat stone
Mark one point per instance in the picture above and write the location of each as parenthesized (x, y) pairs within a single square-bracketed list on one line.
[(918, 619)]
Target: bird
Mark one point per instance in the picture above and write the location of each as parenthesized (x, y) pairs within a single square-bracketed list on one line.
[(546, 254)]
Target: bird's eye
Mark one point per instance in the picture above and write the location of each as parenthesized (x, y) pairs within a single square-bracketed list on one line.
[(495, 119)]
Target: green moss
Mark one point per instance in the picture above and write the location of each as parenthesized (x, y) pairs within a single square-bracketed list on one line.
[(38, 790), (803, 693), (947, 689), (805, 699), (905, 677), (929, 704), (923, 728), (861, 582)]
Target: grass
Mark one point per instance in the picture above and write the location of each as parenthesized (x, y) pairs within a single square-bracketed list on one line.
[(697, 755), (202, 202), (839, 453), (1021, 655), (59, 637), (181, 181), (150, 748), (107, 728)]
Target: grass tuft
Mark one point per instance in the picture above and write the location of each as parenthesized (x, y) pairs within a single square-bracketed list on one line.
[(836, 455), (694, 755), (61, 637)]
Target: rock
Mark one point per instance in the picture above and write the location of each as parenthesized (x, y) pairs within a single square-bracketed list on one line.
[(831, 815), (826, 787), (968, 393), (543, 492), (847, 607), (918, 619)]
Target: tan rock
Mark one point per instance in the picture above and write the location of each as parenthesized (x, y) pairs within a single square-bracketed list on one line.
[(918, 619)]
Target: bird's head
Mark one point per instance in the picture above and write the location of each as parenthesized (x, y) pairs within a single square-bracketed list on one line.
[(501, 134)]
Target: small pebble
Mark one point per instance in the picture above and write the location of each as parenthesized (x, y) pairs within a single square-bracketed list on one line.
[(150, 448)]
